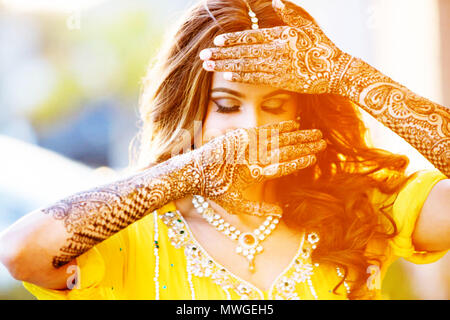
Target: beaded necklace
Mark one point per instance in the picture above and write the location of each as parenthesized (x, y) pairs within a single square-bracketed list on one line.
[(249, 243)]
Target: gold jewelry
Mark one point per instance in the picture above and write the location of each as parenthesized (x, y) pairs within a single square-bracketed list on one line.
[(252, 16), (249, 242)]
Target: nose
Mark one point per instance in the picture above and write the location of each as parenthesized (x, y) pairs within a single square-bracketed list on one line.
[(251, 117)]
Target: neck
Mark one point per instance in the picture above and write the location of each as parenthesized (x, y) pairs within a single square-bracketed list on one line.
[(258, 192)]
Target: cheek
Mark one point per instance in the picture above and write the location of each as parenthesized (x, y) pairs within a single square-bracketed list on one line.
[(215, 123), (291, 110), (290, 113)]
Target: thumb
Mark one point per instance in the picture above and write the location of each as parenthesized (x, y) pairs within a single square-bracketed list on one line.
[(265, 209), (260, 209), (291, 14), (234, 203)]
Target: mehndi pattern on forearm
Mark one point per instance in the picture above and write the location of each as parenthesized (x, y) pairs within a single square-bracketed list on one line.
[(422, 123), (92, 216), (220, 170)]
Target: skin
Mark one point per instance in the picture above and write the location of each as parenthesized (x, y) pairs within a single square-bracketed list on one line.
[(80, 221), (255, 103), (38, 247), (255, 110), (301, 58), (260, 59), (281, 246)]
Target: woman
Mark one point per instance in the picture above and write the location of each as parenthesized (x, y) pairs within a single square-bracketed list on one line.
[(286, 200)]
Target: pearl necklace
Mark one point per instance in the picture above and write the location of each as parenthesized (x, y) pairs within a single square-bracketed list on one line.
[(249, 242)]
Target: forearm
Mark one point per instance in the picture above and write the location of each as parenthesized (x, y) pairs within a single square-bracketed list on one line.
[(63, 231), (423, 124)]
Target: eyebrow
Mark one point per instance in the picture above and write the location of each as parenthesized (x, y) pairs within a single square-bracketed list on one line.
[(240, 95), (226, 90), (276, 92)]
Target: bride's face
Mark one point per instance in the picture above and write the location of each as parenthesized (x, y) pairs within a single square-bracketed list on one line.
[(235, 105)]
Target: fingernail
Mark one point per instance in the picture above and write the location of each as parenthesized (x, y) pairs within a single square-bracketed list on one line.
[(205, 54), (278, 4), (208, 65), (219, 40), (228, 76)]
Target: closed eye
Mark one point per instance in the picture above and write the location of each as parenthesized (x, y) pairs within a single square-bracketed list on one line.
[(228, 106), (274, 106)]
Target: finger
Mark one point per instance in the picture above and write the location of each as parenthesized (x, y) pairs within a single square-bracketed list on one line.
[(234, 203), (260, 209), (279, 127), (259, 64), (262, 135), (265, 78), (296, 137), (264, 50), (283, 169), (273, 136), (292, 14), (293, 152), (264, 35)]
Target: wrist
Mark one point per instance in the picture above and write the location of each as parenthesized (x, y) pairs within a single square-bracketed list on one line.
[(355, 78), (166, 181), (339, 73), (185, 175)]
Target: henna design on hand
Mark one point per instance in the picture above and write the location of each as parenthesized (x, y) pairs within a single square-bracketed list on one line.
[(299, 57), (220, 170), (225, 180)]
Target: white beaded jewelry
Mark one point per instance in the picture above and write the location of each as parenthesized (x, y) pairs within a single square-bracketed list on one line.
[(156, 253), (252, 16), (311, 288), (191, 285), (347, 287), (249, 242)]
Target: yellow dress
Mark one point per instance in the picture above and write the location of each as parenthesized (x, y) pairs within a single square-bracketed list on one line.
[(158, 258)]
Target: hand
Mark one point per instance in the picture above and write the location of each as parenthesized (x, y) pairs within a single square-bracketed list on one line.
[(298, 57), (230, 163)]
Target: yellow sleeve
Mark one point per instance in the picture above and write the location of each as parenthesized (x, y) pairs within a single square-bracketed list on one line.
[(94, 281), (406, 210)]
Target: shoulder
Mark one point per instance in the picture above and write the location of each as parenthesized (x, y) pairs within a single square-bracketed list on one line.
[(433, 222), (414, 201), (414, 191), (419, 188)]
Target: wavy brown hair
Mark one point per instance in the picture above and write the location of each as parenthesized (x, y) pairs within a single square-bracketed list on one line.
[(332, 197)]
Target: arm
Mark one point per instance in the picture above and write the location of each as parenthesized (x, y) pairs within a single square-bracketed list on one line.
[(432, 231), (36, 247), (425, 125), (299, 57)]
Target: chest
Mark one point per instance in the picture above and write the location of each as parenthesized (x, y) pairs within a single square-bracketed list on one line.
[(277, 253), (284, 269)]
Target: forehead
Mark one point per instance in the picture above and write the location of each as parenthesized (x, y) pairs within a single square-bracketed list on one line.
[(247, 89)]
